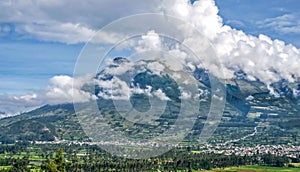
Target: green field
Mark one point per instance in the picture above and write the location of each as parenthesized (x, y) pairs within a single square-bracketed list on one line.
[(256, 168), (5, 167)]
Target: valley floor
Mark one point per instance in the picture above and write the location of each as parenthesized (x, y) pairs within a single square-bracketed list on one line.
[(35, 157), (254, 168)]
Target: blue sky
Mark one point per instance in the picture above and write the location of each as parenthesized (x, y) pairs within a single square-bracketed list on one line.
[(251, 16), (42, 39), (27, 65)]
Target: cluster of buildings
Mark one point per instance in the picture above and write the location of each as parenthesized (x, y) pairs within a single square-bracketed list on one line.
[(278, 150)]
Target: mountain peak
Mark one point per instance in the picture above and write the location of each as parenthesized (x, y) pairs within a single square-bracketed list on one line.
[(120, 60)]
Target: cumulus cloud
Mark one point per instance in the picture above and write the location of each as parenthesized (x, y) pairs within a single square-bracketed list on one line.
[(138, 90), (114, 89), (11, 105), (273, 92), (249, 98), (117, 89), (61, 89), (155, 67), (117, 69), (65, 89), (161, 95), (202, 14), (148, 42), (114, 83), (296, 93), (259, 57), (185, 95)]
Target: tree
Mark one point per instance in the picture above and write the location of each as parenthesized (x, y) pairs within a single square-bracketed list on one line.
[(58, 164), (20, 165)]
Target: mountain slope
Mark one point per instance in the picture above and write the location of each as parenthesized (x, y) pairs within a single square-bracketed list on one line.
[(249, 104)]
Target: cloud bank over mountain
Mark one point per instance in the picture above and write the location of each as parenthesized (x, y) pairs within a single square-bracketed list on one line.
[(260, 58)]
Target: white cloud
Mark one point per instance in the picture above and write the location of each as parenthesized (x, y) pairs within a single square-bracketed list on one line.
[(69, 33), (296, 93), (161, 95), (146, 91), (249, 98), (202, 14), (106, 38), (273, 92), (148, 42), (27, 98), (117, 89), (12, 105), (285, 24), (62, 21), (61, 89), (65, 89), (5, 29), (185, 95), (114, 89), (259, 57), (237, 23), (176, 59), (119, 69), (155, 67)]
